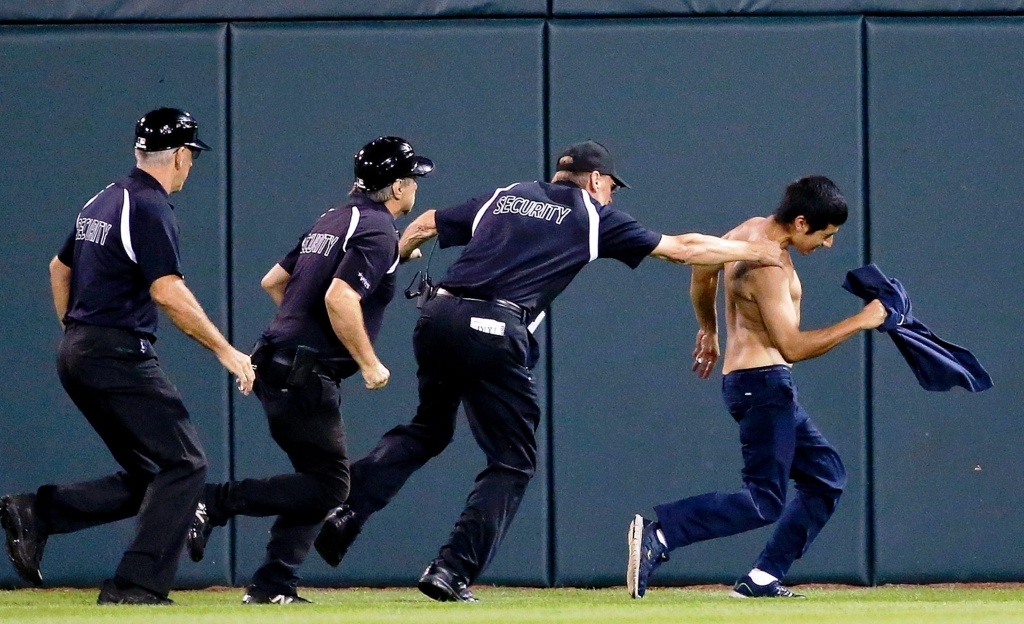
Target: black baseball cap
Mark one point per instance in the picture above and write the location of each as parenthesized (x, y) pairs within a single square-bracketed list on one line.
[(589, 156), (167, 128), (386, 159)]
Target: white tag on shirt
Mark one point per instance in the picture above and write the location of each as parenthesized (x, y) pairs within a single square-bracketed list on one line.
[(487, 326)]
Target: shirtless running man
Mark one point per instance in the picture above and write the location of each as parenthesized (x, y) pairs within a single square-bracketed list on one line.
[(779, 440)]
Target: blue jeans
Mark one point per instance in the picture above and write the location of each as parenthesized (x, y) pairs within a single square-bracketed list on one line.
[(779, 443)]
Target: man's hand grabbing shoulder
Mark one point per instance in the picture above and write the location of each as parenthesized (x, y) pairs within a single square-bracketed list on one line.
[(769, 252)]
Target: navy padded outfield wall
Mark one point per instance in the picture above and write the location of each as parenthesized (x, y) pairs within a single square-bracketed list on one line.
[(120, 10), (293, 136), (708, 122), (756, 7), (78, 92), (947, 142), (177, 10)]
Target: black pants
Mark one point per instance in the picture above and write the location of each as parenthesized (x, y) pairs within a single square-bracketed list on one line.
[(306, 423), (114, 378), (489, 376)]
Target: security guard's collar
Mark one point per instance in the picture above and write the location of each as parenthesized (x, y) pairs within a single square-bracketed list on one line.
[(569, 183), (363, 200), (148, 180)]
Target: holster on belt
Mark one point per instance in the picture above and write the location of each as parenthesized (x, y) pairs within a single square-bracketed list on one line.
[(260, 352), (422, 292), (429, 293), (282, 369), (302, 366)]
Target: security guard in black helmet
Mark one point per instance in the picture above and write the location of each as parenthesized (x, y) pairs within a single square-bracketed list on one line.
[(331, 290), (118, 264)]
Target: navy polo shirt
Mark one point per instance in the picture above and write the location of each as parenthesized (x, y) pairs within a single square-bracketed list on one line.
[(526, 242), (124, 239), (356, 243)]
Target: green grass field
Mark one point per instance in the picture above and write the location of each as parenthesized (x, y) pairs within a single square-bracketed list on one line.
[(897, 604)]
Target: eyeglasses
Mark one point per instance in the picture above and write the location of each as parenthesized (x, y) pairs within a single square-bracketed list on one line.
[(195, 152)]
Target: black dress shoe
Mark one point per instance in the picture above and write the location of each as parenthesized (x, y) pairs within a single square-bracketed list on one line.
[(26, 536), (199, 533), (338, 532), (255, 595), (122, 592), (444, 585)]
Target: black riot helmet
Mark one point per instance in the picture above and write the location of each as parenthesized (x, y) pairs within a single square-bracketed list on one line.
[(386, 159), (167, 128)]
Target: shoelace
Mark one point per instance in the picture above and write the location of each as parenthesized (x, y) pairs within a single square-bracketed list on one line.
[(785, 592)]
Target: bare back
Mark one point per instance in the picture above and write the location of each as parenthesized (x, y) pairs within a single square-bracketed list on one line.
[(748, 342)]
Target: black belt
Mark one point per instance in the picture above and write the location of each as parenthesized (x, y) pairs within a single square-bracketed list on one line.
[(284, 360), (505, 304)]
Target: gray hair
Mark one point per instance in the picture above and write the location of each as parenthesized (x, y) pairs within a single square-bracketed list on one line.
[(384, 194), (154, 159)]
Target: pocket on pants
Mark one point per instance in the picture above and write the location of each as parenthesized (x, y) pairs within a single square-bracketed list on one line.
[(330, 394), (488, 332)]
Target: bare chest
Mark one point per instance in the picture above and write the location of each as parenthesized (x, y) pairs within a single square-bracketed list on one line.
[(796, 291)]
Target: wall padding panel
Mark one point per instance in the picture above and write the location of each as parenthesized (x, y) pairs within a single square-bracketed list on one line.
[(304, 100), (118, 10), (727, 7), (947, 140), (71, 97), (708, 121)]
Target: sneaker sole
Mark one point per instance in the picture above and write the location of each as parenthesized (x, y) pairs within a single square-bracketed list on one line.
[(12, 525), (196, 553), (735, 594), (634, 539)]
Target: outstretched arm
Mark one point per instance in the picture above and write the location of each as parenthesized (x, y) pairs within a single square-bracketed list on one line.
[(422, 229), (711, 250), (775, 304), (704, 296)]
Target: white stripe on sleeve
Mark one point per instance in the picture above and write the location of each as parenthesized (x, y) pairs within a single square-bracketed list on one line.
[(483, 209), (96, 195), (351, 227), (595, 224), (126, 229)]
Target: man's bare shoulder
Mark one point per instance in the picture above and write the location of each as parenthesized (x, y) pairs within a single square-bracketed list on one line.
[(749, 230), (752, 275)]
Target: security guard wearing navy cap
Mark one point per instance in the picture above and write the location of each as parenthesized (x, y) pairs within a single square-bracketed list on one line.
[(121, 261), (331, 290), (523, 244)]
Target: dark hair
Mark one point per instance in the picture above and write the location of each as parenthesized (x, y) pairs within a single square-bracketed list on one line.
[(817, 199)]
